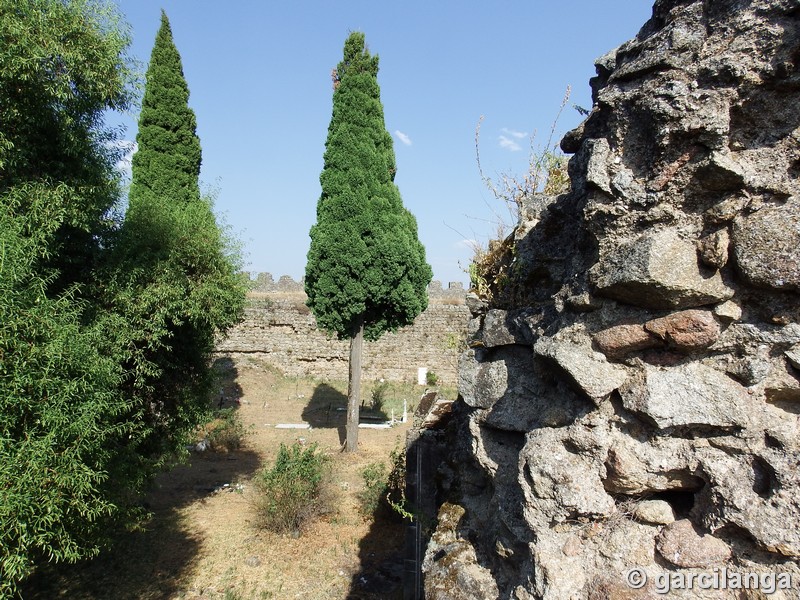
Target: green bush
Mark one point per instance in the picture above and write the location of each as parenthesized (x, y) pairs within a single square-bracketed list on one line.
[(373, 495), (396, 484), (226, 431), (294, 490), (379, 395), (431, 378), (384, 493)]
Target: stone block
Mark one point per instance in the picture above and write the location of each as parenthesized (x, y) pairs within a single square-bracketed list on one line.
[(658, 270)]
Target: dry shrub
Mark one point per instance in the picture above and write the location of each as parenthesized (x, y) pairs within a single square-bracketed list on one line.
[(490, 270), (295, 490), (226, 432)]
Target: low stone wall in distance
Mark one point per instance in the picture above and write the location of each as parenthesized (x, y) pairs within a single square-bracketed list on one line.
[(280, 329)]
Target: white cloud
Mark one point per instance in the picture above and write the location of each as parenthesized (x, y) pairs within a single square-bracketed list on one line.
[(124, 150), (509, 144), (467, 243), (513, 133), (402, 137)]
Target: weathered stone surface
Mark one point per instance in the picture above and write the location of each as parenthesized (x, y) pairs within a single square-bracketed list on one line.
[(685, 196), (534, 398), (781, 385), (560, 484), (687, 395), (793, 354), (658, 270), (766, 245), (657, 512), (597, 168), (500, 329), (721, 173), (681, 545), (621, 340), (614, 589), (475, 305), (728, 311), (686, 330), (584, 302), (280, 330), (634, 467), (757, 495), (483, 378), (714, 249), (589, 370), (451, 567)]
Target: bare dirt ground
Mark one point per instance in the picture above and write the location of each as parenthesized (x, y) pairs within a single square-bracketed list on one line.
[(203, 541)]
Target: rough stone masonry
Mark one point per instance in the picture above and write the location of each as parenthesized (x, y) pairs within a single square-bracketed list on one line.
[(630, 400)]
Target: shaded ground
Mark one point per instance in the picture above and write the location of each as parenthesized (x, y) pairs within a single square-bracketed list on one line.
[(202, 542)]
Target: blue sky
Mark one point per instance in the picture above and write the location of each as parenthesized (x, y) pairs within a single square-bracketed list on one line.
[(259, 76)]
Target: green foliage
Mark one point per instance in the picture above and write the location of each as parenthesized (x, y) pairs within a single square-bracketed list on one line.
[(61, 65), (379, 395), (431, 378), (65, 423), (170, 282), (374, 491), (396, 484), (365, 264), (384, 494), (105, 335), (226, 431), (60, 408), (292, 491), (494, 268), (167, 164)]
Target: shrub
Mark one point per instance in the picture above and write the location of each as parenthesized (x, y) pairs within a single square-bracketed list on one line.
[(226, 431), (293, 490), (431, 378), (379, 396), (374, 493), (384, 493), (396, 484)]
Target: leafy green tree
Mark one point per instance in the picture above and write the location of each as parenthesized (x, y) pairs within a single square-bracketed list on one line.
[(167, 163), (63, 415), (61, 65), (172, 282), (105, 332), (366, 272)]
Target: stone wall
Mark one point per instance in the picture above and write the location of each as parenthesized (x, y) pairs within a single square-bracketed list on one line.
[(630, 398), (280, 329)]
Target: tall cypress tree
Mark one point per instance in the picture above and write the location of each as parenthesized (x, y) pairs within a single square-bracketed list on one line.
[(366, 272), (175, 279), (167, 163)]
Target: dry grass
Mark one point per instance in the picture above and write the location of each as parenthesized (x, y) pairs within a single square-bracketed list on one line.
[(203, 543)]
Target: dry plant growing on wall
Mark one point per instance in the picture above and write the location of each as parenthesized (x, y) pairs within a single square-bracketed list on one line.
[(546, 174)]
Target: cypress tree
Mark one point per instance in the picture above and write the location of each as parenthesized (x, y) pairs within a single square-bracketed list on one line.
[(366, 272), (174, 274), (167, 163)]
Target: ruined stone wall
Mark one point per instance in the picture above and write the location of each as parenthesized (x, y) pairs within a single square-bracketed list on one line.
[(280, 329), (630, 400)]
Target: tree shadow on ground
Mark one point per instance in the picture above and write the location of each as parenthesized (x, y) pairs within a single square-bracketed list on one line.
[(230, 392), (327, 408), (391, 553), (321, 410), (381, 555), (151, 563)]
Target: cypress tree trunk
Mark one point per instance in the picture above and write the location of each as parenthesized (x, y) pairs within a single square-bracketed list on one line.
[(354, 388)]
